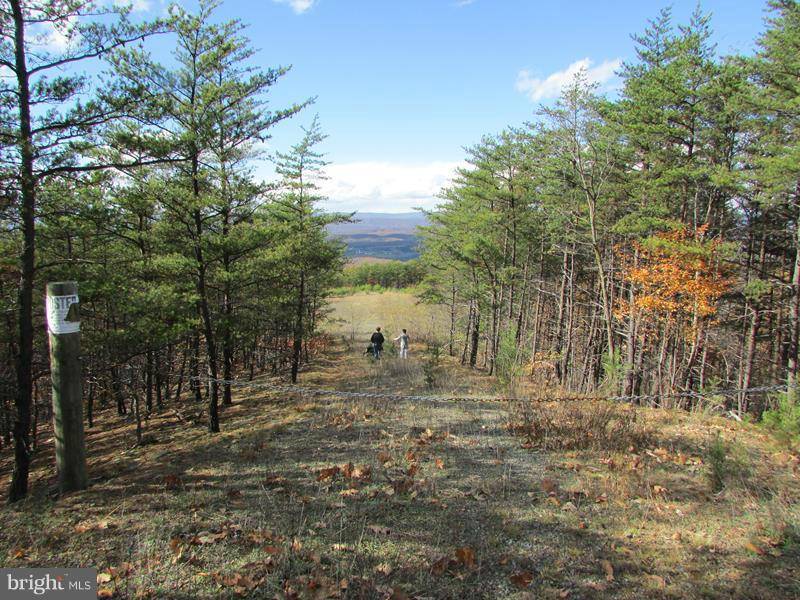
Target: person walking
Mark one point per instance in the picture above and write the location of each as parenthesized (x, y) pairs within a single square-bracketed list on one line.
[(377, 340), (403, 339)]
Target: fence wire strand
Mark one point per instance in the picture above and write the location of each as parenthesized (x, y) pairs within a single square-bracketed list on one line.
[(315, 391)]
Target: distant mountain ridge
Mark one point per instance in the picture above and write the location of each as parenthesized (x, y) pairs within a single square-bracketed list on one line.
[(369, 222), (382, 235)]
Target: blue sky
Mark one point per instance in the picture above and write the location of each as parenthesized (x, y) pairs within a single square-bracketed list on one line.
[(403, 86)]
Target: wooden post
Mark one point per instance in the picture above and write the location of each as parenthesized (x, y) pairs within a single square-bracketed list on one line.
[(63, 325)]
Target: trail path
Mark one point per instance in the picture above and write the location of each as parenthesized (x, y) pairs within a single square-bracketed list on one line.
[(357, 498)]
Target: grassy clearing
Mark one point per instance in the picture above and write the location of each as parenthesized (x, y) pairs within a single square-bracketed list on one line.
[(376, 499), (354, 317)]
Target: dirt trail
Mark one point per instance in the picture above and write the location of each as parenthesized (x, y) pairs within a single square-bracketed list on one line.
[(323, 497)]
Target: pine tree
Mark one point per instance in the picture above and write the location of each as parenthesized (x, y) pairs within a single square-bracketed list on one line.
[(48, 131), (309, 255)]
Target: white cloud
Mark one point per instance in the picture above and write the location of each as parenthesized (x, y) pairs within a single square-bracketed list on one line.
[(550, 87), (56, 37), (460, 3), (298, 6), (373, 186), (136, 5)]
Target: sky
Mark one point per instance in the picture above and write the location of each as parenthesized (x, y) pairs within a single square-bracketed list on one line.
[(403, 86)]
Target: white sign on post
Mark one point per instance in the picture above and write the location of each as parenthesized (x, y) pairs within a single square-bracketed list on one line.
[(57, 309)]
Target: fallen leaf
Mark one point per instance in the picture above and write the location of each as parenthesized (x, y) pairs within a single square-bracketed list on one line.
[(609, 570), (549, 486), (402, 485), (466, 556), (364, 473), (522, 580), (440, 566), (172, 482), (384, 569), (439, 463), (123, 570), (597, 585), (275, 480), (379, 529), (261, 536), (175, 544), (753, 548), (328, 473)]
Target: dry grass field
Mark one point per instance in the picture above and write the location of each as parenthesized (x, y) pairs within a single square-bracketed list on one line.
[(331, 498), (355, 317)]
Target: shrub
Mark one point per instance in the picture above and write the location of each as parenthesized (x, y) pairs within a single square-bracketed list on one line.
[(576, 425), (614, 369), (784, 419), (430, 365), (725, 462), (718, 464), (508, 367)]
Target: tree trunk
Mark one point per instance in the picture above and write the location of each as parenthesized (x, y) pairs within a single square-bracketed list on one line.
[(476, 326), (297, 341), (22, 422), (602, 277), (630, 349), (195, 367), (158, 381), (562, 311), (794, 307), (116, 390), (470, 316), (452, 333), (148, 381), (752, 337), (208, 328), (227, 309)]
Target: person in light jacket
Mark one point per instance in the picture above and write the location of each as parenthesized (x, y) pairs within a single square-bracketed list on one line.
[(403, 339)]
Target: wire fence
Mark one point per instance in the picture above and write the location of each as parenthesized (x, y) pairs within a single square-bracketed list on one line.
[(708, 399), (637, 399)]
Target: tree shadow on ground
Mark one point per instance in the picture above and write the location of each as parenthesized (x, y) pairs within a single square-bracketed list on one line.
[(263, 471)]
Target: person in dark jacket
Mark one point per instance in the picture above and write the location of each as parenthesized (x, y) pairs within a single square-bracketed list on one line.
[(377, 340)]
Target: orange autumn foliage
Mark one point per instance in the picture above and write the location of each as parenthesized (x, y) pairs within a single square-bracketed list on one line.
[(678, 273)]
